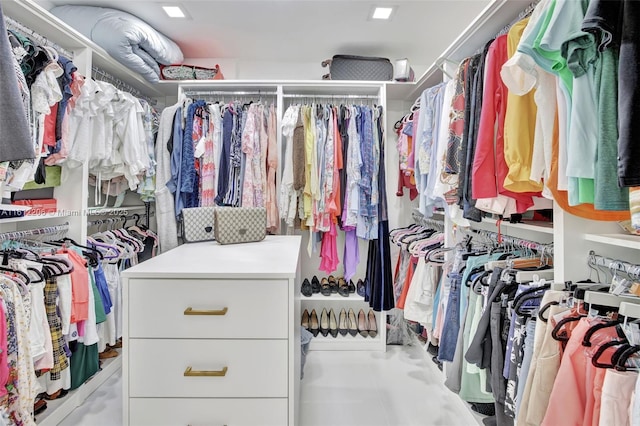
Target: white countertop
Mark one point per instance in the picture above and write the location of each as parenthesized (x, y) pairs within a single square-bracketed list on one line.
[(274, 257)]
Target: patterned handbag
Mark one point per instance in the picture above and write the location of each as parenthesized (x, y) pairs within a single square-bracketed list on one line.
[(240, 224), (198, 224)]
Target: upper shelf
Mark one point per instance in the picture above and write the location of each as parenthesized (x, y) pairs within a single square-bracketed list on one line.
[(495, 16), (35, 17), (620, 240)]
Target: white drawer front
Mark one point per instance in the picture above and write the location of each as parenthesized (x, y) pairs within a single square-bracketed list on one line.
[(254, 368), (209, 412), (254, 309)]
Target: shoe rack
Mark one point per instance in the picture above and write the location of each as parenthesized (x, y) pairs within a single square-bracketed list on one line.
[(354, 339)]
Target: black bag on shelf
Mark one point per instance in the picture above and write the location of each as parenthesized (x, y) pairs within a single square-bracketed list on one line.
[(350, 67)]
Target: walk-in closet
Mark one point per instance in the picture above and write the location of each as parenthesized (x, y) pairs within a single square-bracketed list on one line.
[(314, 213)]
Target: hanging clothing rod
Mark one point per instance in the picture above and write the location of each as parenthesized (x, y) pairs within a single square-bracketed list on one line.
[(525, 13), (48, 233), (24, 30), (502, 239), (598, 261), (222, 93), (123, 219), (102, 75), (331, 96), (428, 222)]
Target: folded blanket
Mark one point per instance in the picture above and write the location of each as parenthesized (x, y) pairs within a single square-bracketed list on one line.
[(131, 41)]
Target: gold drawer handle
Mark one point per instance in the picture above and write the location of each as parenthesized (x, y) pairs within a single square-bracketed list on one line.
[(191, 373), (191, 311)]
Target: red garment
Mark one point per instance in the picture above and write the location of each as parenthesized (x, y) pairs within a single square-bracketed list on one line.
[(407, 282), (489, 166), (329, 250), (50, 126), (79, 286)]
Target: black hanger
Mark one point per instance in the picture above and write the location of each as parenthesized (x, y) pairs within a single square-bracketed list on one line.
[(545, 308), (555, 333), (41, 277), (529, 294), (13, 271), (624, 357), (586, 341), (91, 249), (595, 360)]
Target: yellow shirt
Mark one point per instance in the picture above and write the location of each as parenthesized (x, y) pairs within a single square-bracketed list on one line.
[(310, 172), (519, 128)]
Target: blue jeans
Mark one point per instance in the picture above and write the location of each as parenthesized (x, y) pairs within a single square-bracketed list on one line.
[(451, 328)]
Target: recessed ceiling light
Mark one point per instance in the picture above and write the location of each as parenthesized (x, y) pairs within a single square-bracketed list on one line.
[(382, 13), (174, 11)]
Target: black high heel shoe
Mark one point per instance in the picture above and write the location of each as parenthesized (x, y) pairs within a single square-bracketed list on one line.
[(314, 326), (306, 288), (352, 287), (360, 288), (324, 322), (315, 285), (343, 288), (333, 323)]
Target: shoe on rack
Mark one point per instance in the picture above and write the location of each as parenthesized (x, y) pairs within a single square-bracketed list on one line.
[(305, 320), (343, 326), (39, 406), (325, 287), (360, 288), (333, 323), (324, 322), (315, 285), (314, 326), (373, 324), (109, 353), (352, 287), (333, 284), (343, 287), (306, 288), (352, 323), (363, 324)]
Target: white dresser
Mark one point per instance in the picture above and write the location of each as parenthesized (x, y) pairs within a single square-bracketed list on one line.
[(212, 335)]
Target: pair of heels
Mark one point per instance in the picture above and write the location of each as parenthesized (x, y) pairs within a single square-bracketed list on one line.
[(332, 285), (326, 325), (346, 323), (329, 285), (367, 324)]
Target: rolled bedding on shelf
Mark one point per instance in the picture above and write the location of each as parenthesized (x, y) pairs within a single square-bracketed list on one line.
[(130, 41)]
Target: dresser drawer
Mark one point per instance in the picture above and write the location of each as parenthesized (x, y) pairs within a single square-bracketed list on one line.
[(254, 368), (219, 308), (203, 411)]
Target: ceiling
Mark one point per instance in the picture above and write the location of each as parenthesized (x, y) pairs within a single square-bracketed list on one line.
[(301, 30)]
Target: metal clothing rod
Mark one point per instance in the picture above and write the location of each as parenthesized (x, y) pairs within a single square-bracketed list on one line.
[(332, 96), (427, 222), (102, 75), (222, 93), (48, 233), (20, 28), (509, 240), (598, 261), (123, 219)]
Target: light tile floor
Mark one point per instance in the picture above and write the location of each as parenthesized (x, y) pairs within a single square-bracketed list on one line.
[(401, 387)]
